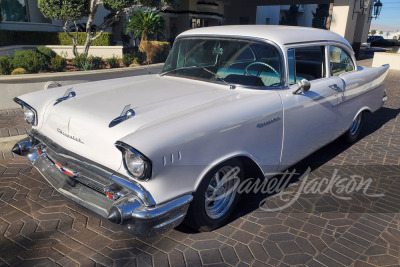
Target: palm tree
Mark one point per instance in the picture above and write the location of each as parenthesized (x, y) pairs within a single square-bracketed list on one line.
[(145, 25)]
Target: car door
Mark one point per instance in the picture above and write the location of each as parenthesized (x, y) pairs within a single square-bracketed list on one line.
[(354, 82), (309, 117)]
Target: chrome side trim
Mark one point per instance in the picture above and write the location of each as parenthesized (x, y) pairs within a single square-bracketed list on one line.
[(356, 96)]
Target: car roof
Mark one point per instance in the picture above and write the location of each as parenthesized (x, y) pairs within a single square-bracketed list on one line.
[(282, 35)]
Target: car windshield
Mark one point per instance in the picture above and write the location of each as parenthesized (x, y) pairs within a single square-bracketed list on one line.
[(232, 61)]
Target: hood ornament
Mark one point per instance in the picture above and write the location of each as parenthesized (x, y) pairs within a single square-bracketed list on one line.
[(126, 113), (68, 94)]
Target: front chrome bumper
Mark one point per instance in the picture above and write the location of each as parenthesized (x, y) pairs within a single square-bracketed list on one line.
[(115, 198)]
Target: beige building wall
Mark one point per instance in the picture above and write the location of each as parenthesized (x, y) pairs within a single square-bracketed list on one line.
[(352, 26), (349, 21)]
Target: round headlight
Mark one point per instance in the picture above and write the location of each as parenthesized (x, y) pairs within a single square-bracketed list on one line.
[(135, 164), (29, 115)]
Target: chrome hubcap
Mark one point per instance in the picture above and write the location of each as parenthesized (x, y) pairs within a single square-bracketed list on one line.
[(355, 125), (219, 195)]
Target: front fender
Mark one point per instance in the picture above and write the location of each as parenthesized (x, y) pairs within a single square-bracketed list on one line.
[(184, 148)]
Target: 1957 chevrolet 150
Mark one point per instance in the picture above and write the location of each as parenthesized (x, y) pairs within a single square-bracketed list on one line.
[(147, 151)]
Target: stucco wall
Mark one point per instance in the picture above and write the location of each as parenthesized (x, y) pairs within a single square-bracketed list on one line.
[(392, 59), (101, 51)]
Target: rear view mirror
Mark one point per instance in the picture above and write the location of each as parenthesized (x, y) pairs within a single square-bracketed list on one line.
[(218, 51), (303, 86)]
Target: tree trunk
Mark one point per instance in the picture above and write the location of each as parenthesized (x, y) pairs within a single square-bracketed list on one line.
[(88, 42), (74, 39), (94, 4)]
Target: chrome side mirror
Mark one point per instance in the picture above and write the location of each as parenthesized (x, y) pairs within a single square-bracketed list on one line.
[(303, 86)]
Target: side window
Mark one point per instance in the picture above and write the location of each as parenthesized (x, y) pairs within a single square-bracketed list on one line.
[(340, 61), (306, 63)]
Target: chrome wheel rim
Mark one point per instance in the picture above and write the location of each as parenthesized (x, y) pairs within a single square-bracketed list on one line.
[(355, 125), (219, 195)]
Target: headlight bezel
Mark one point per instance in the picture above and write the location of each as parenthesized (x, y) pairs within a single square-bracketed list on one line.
[(124, 148), (25, 105)]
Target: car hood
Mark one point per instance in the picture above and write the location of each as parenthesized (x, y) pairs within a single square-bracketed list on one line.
[(81, 123)]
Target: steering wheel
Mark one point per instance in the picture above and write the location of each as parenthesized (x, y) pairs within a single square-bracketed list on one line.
[(246, 72)]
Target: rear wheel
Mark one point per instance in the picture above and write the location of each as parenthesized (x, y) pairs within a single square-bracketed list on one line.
[(353, 132), (216, 197)]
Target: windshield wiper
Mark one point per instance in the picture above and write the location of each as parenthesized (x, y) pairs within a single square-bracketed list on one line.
[(231, 86), (183, 68)]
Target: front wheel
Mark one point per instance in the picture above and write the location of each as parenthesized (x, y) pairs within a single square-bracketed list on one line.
[(354, 131), (216, 197)]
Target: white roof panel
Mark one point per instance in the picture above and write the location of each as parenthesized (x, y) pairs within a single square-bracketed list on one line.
[(279, 34)]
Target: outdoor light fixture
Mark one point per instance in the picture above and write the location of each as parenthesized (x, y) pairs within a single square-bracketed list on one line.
[(364, 4), (377, 9)]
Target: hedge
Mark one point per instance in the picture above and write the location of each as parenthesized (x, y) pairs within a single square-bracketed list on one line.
[(48, 38)]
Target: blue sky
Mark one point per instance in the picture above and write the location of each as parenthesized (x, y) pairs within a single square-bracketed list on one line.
[(390, 14)]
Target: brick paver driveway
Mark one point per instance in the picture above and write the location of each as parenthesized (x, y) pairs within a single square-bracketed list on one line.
[(38, 225)]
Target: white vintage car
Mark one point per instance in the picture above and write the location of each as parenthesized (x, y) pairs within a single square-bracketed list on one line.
[(148, 151)]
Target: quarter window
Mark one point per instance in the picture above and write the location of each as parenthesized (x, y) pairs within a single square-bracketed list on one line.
[(340, 61)]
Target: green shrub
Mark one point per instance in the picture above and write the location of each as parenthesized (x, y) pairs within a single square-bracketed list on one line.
[(113, 62), (155, 50), (104, 40), (5, 65), (79, 61), (47, 52), (140, 57), (127, 59), (48, 38), (58, 63), (96, 62), (29, 60), (164, 51), (18, 71), (86, 66)]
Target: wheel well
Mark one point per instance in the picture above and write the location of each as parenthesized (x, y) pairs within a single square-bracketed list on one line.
[(251, 169), (364, 109)]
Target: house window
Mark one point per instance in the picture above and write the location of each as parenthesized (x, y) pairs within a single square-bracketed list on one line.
[(199, 23), (14, 10)]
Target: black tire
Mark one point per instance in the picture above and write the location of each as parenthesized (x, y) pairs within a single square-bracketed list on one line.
[(199, 217), (355, 129)]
